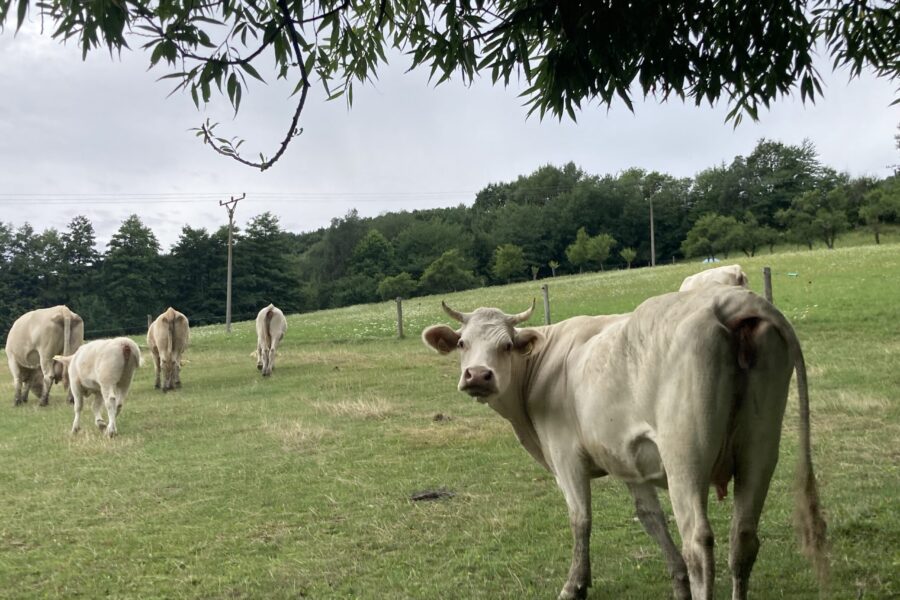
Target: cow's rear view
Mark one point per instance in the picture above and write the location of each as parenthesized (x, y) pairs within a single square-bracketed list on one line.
[(168, 338), (270, 329)]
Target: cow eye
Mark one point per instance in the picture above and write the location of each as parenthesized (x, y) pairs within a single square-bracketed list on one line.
[(508, 346), (460, 344)]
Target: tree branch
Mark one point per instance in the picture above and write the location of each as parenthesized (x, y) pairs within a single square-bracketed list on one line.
[(293, 131)]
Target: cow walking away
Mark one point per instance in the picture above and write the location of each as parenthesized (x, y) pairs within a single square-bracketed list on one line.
[(104, 369), (270, 328), (33, 340), (727, 275), (168, 338), (685, 393)]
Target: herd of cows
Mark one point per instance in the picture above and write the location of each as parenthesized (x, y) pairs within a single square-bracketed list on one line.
[(46, 346), (687, 392)]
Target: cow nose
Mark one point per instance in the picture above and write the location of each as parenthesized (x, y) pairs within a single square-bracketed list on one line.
[(478, 376)]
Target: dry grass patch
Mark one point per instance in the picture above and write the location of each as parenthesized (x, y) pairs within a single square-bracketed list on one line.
[(361, 408), (336, 358), (456, 431), (852, 401), (91, 441), (295, 435)]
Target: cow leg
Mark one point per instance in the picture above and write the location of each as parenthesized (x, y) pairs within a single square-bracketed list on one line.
[(20, 386), (157, 367), (167, 368), (47, 369), (649, 512), (576, 486), (79, 401), (267, 368), (689, 501), (98, 411), (177, 376), (260, 359), (111, 411)]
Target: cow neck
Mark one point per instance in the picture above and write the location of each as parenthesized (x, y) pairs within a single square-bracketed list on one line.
[(513, 406)]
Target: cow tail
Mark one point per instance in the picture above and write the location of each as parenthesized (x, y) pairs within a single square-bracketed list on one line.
[(808, 509), (267, 338), (171, 343), (130, 356), (67, 332)]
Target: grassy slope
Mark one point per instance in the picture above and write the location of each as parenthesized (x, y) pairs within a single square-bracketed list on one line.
[(236, 487)]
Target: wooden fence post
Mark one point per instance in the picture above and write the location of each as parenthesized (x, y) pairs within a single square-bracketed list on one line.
[(399, 302), (546, 293), (767, 283)]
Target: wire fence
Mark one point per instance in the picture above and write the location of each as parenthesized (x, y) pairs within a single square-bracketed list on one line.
[(139, 328)]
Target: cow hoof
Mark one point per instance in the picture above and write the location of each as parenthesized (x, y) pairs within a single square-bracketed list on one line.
[(573, 593), (259, 367), (44, 402), (101, 425), (111, 433), (75, 430)]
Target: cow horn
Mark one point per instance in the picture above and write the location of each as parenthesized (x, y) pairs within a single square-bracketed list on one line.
[(455, 314), (522, 316)]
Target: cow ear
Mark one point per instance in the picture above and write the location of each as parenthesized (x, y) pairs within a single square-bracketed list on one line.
[(527, 341), (441, 338)]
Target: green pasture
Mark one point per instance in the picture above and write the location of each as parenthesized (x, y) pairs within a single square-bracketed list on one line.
[(299, 486)]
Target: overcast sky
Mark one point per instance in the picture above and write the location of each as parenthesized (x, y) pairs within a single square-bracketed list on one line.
[(100, 138)]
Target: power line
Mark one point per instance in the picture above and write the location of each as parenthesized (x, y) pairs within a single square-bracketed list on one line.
[(201, 198)]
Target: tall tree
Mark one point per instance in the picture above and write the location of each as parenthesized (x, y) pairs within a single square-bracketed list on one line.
[(600, 248), (197, 277), (568, 54), (131, 277), (509, 262), (881, 205), (81, 260), (262, 271), (373, 256), (451, 272), (712, 236), (579, 251)]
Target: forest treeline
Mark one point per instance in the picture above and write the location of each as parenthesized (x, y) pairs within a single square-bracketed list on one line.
[(555, 220)]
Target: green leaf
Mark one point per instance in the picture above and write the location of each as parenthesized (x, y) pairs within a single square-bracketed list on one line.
[(250, 70), (23, 10)]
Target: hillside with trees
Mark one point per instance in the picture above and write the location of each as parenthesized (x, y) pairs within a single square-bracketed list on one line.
[(556, 220)]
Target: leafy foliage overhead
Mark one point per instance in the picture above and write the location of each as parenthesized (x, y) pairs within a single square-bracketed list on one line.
[(566, 53)]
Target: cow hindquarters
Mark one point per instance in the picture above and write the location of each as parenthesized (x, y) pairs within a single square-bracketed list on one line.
[(696, 407), (755, 450)]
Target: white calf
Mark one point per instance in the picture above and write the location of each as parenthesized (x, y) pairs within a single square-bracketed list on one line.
[(103, 368)]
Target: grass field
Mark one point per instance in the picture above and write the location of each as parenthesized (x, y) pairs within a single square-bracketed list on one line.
[(299, 485)]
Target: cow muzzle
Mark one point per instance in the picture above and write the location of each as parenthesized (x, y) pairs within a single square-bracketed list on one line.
[(478, 382)]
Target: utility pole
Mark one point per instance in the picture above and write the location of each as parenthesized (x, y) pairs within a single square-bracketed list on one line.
[(229, 206), (652, 236)]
